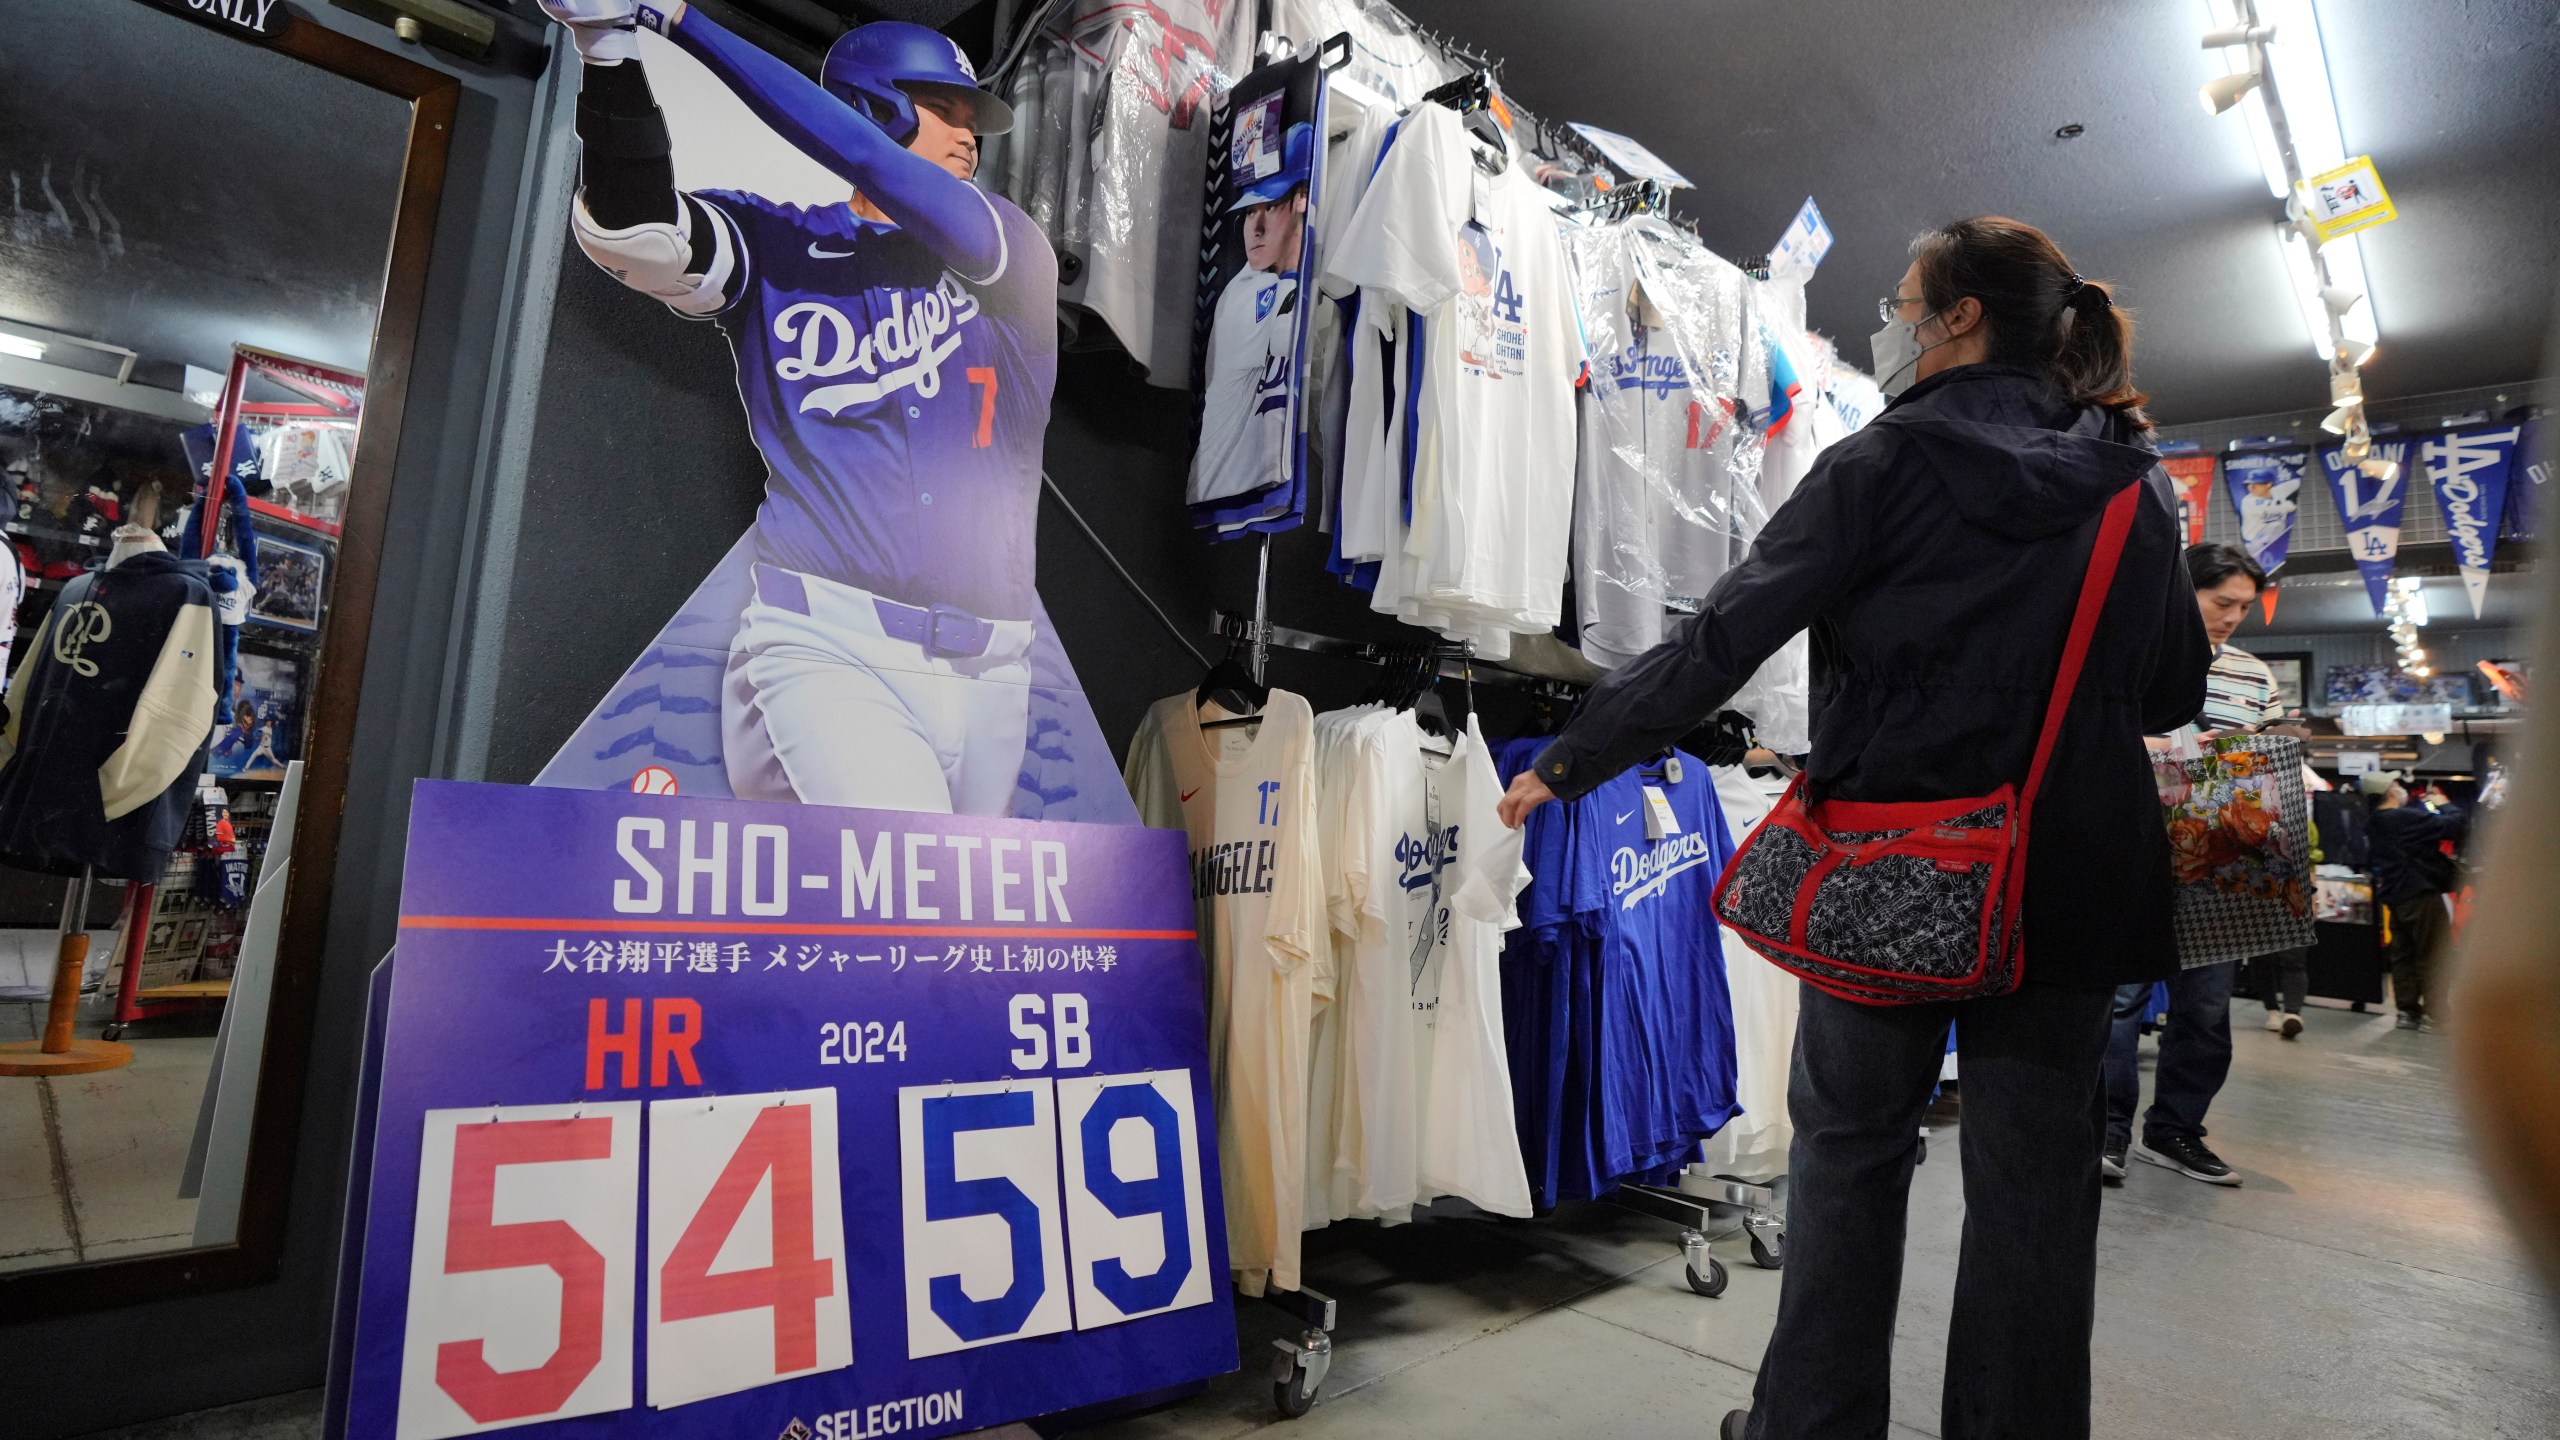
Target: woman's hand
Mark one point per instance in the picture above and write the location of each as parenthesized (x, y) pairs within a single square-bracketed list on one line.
[(1527, 793)]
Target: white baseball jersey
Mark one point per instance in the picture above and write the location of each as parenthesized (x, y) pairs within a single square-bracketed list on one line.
[(1246, 797), (1429, 875), (1244, 417), (1655, 511), (1491, 425)]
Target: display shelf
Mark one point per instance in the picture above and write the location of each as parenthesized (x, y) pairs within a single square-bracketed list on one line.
[(55, 533), (290, 516)]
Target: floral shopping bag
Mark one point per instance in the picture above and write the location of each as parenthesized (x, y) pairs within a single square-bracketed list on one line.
[(2239, 846)]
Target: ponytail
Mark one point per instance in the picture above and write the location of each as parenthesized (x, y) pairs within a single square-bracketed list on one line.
[(2036, 308)]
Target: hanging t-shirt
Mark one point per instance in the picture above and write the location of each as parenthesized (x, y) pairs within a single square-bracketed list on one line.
[(1636, 1045), (1423, 1090), (1455, 230), (1765, 1001), (1246, 797)]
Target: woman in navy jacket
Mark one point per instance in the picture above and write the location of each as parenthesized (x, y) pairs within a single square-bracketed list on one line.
[(1936, 556)]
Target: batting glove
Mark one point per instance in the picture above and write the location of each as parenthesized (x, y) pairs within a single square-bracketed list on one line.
[(605, 31)]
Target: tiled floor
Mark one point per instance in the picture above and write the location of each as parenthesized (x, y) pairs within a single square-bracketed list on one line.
[(89, 1164), (2358, 1284)]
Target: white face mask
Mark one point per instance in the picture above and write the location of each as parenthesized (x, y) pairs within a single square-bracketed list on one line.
[(1898, 350)]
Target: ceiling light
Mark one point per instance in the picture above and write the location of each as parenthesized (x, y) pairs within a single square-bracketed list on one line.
[(22, 347), (2385, 471), (2223, 92), (2355, 352), (2342, 419), (2338, 299)]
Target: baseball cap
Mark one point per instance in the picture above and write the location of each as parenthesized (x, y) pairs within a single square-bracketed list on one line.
[(2379, 782), (1297, 163)]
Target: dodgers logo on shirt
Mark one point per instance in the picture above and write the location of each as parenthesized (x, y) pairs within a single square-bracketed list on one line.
[(1637, 876), (904, 349)]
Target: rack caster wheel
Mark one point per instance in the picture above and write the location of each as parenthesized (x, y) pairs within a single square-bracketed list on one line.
[(1298, 1372), (112, 1033), (1768, 1257), (1710, 1284), (1706, 1274)]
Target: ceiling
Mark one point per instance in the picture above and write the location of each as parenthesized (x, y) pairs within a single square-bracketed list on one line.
[(1897, 117), (149, 207)]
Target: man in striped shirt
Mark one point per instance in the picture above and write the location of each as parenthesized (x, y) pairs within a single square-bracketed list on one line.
[(2195, 1049)]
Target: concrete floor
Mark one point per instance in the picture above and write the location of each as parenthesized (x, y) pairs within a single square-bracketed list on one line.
[(89, 1164), (2359, 1284)]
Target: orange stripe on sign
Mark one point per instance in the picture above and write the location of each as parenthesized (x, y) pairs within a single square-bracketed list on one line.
[(745, 927)]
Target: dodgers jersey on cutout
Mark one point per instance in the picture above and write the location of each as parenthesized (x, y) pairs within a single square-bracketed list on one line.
[(899, 406)]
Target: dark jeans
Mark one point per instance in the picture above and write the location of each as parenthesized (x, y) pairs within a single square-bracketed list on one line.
[(2419, 929), (2026, 1282), (2195, 1054), (2285, 974)]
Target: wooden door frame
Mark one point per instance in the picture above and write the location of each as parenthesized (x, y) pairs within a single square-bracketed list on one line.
[(256, 1249)]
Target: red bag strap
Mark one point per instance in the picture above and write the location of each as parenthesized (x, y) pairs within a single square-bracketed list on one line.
[(2112, 531)]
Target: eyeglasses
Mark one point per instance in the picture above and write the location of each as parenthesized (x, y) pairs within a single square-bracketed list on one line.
[(1889, 308)]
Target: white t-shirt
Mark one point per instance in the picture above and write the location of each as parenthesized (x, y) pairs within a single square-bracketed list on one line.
[(1753, 1145), (1429, 875), (1244, 417), (1478, 256), (1246, 798)]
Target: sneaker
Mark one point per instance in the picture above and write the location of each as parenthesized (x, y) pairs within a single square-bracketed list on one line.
[(2408, 1021), (2276, 1019), (2111, 1163), (2291, 1028), (1735, 1423), (2189, 1157)]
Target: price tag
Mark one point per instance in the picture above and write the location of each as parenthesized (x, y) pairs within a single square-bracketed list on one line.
[(1659, 822), (746, 1244), (986, 1255), (1137, 1229), (520, 1272)]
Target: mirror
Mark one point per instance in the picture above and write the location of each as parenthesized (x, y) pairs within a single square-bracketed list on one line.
[(213, 252)]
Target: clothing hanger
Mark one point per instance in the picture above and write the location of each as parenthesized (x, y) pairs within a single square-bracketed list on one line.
[(1230, 678)]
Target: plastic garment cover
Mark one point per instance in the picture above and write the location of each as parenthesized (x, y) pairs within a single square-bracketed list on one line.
[(1667, 489), (1387, 58), (1109, 156)]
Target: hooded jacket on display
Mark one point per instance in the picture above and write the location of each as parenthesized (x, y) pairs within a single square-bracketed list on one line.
[(1935, 556), (110, 711)]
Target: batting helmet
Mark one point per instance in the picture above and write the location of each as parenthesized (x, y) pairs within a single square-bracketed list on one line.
[(881, 68)]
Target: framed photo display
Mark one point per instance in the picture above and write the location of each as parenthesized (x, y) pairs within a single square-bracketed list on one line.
[(292, 584)]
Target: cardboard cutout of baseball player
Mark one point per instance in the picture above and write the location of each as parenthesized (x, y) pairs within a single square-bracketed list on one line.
[(875, 640)]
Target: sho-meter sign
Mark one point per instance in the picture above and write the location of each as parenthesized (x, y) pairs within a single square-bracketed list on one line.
[(706, 1117), (2346, 200)]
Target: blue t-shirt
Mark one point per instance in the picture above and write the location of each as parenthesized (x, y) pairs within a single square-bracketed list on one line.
[(1620, 1024)]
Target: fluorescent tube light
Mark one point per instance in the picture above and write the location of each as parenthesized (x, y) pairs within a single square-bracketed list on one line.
[(21, 346)]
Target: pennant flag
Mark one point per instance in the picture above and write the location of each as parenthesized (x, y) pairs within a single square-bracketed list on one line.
[(2264, 490), (2267, 603), (2468, 469), (2371, 507), (2193, 476)]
